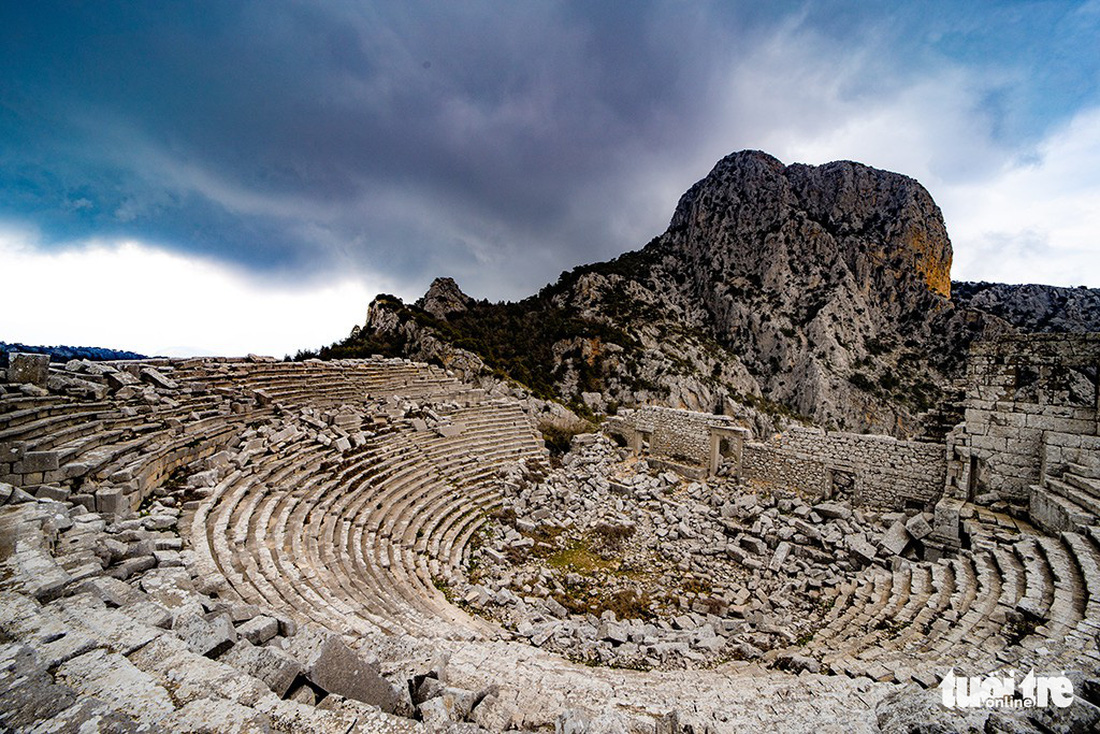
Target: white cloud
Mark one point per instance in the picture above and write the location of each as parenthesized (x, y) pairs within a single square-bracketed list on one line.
[(1016, 211), (130, 295), (1037, 220)]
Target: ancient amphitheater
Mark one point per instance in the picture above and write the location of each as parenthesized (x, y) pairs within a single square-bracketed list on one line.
[(251, 545)]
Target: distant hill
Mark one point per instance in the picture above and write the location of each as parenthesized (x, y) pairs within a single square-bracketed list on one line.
[(822, 292), (63, 353)]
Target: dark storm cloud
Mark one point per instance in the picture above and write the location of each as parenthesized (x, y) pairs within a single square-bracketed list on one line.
[(499, 142)]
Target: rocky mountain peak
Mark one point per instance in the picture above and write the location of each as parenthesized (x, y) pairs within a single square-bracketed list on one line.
[(443, 298), (883, 228), (779, 292)]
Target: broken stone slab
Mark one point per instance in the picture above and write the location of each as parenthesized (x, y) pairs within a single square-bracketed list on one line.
[(132, 566), (613, 632), (154, 377), (780, 557), (120, 379), (259, 630), (375, 721), (495, 714), (795, 663), (112, 678), (76, 386), (114, 592), (209, 637), (753, 545), (918, 526), (275, 667), (894, 540), (30, 369), (328, 662), (209, 714), (861, 550), (833, 510)]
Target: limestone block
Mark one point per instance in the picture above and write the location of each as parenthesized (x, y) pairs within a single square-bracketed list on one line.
[(37, 461), (273, 666), (780, 557), (111, 501), (947, 517), (113, 679), (114, 592), (132, 566), (895, 539), (832, 510), (213, 715), (31, 369), (157, 379), (120, 379), (209, 637), (613, 632), (329, 663), (860, 548), (918, 527), (495, 714), (57, 494), (259, 630)]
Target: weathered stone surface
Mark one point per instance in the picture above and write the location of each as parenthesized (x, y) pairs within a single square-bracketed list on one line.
[(329, 663), (205, 636), (115, 680), (259, 630), (274, 666), (154, 377), (31, 369), (918, 527), (895, 539), (211, 716)]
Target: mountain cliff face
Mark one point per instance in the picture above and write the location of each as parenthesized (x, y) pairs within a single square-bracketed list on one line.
[(819, 293)]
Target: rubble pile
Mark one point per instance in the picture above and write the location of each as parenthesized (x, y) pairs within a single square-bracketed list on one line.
[(610, 561)]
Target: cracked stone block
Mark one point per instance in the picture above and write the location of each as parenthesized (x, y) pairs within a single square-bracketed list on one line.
[(329, 663), (113, 679), (209, 637), (31, 369), (273, 666), (259, 630)]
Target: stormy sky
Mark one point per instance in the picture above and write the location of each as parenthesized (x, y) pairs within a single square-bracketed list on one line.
[(232, 177)]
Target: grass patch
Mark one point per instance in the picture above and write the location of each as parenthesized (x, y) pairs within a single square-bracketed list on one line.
[(579, 557)]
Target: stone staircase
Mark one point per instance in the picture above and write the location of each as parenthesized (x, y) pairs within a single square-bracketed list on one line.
[(1031, 604), (1070, 500)]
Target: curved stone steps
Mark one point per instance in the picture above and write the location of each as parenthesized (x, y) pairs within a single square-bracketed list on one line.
[(1066, 606), (1086, 556), (335, 552), (29, 424), (1038, 585), (850, 607), (304, 522), (872, 631), (332, 518), (921, 589)]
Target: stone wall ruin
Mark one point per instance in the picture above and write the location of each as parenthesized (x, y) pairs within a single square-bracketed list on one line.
[(1031, 405), (878, 471)]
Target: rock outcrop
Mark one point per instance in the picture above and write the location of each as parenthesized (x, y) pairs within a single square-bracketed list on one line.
[(820, 293), (444, 298)]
